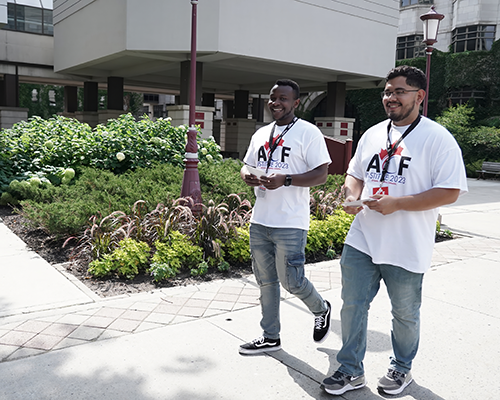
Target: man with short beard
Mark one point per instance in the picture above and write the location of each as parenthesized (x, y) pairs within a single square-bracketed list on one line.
[(404, 169), (284, 159)]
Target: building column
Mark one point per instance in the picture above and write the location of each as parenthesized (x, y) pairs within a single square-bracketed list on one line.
[(241, 103), (115, 100), (258, 109), (335, 99), (10, 112), (70, 99), (115, 93), (9, 91), (240, 128), (90, 113), (227, 109), (90, 96), (208, 100), (186, 82), (334, 124)]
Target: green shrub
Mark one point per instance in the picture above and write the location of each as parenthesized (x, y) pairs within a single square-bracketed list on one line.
[(126, 260), (459, 121), (478, 143), (217, 181), (237, 249), (224, 266), (66, 209), (440, 233), (329, 233), (200, 270), (486, 143), (162, 271), (177, 252)]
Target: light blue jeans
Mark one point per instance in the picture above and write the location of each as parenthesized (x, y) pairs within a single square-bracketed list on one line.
[(360, 283), (278, 256)]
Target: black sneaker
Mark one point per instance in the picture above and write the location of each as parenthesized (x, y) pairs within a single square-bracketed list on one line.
[(394, 382), (339, 383), (322, 325), (260, 345)]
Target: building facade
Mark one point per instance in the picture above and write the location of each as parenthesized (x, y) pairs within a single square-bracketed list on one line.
[(469, 25)]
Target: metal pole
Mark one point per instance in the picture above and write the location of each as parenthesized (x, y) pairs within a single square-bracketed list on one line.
[(192, 78), (191, 180), (428, 76)]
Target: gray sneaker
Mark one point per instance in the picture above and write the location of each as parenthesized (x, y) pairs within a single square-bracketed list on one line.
[(339, 383), (394, 382)]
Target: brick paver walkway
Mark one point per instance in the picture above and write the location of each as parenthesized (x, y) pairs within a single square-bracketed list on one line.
[(36, 333)]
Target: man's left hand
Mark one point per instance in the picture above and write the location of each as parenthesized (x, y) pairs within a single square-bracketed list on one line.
[(383, 204), (273, 181)]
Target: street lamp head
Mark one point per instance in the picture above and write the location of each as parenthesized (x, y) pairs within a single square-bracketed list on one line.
[(431, 26)]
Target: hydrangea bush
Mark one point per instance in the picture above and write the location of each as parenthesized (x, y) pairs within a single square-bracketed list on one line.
[(49, 148)]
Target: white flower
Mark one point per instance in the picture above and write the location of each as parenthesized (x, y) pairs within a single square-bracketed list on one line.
[(69, 173), (169, 118), (204, 151), (209, 158), (35, 181), (120, 156)]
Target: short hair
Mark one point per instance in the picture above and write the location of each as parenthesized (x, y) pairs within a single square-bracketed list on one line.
[(288, 82), (414, 76)]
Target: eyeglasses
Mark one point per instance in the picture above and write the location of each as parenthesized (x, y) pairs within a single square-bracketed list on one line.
[(397, 92)]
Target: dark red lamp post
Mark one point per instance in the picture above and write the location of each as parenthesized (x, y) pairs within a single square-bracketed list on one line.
[(431, 26), (191, 180)]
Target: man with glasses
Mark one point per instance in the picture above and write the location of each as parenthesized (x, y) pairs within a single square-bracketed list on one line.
[(404, 169)]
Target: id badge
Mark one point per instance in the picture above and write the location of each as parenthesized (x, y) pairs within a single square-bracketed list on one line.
[(261, 192)]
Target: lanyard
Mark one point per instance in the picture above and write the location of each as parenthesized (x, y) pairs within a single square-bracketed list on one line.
[(274, 144), (391, 148)]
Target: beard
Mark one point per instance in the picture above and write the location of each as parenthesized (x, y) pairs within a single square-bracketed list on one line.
[(402, 114)]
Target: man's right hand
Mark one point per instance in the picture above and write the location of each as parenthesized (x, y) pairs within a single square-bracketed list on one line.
[(352, 209)]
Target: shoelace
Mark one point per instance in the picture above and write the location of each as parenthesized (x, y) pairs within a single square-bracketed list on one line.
[(319, 322), (396, 375), (259, 340), (339, 375)]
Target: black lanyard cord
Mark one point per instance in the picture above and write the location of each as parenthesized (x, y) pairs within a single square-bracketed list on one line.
[(274, 144), (391, 148)]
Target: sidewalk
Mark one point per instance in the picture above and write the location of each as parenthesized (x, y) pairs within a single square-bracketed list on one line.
[(64, 342)]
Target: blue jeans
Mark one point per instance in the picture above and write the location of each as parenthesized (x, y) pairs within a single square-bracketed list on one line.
[(360, 283), (278, 256)]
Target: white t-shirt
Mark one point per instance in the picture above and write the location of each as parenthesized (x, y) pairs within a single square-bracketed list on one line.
[(429, 157), (302, 149)]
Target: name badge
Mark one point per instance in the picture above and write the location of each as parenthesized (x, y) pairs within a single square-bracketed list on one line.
[(261, 192)]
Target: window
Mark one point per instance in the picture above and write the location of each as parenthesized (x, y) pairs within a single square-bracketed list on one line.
[(148, 98), (29, 19), (410, 47), (473, 38), (405, 3), (158, 111)]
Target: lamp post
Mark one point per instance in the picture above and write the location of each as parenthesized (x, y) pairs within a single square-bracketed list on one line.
[(191, 180), (431, 26)]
